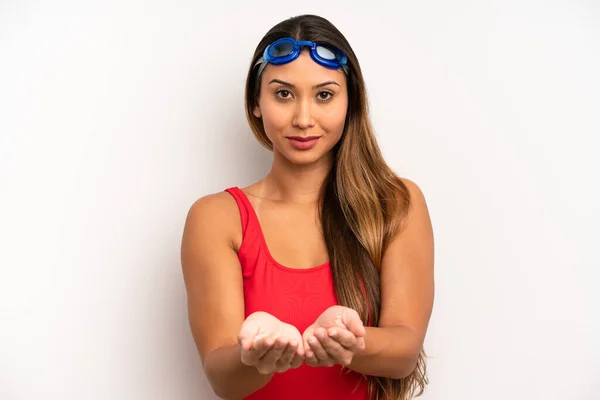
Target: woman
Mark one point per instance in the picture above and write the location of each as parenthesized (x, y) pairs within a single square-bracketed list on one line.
[(316, 282)]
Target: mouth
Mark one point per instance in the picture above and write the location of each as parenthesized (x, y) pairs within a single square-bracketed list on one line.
[(303, 138), (303, 142)]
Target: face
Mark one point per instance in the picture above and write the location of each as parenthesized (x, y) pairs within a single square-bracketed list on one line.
[(302, 99)]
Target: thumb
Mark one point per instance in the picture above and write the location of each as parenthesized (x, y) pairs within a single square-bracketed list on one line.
[(353, 323), (247, 334)]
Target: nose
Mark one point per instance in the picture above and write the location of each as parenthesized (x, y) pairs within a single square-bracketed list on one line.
[(303, 117)]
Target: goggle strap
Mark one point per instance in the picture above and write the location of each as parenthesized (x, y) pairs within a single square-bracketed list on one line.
[(260, 69)]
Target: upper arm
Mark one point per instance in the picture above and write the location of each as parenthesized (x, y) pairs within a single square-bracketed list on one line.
[(212, 273), (407, 284)]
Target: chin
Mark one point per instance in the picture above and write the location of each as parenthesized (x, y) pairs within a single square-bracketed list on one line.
[(303, 158), (306, 157)]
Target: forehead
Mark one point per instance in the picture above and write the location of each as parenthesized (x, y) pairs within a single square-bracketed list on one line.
[(303, 71)]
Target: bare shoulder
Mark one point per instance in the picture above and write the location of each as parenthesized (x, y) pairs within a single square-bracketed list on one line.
[(416, 194), (217, 212), (215, 206)]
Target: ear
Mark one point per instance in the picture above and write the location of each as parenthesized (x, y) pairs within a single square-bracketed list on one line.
[(256, 111)]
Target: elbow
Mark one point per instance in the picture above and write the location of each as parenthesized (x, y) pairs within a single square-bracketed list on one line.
[(401, 374), (405, 369), (220, 390), (225, 396)]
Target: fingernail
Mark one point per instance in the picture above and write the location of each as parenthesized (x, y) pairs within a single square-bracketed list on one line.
[(332, 332)]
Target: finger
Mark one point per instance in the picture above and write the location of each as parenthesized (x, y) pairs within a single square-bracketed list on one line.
[(311, 358), (309, 354), (268, 362), (353, 323), (250, 357), (360, 343), (284, 362), (307, 333), (297, 361), (247, 336), (344, 337), (301, 349), (258, 350), (336, 351), (275, 351), (320, 353)]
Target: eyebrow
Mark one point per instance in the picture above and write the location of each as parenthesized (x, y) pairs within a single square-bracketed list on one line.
[(314, 87)]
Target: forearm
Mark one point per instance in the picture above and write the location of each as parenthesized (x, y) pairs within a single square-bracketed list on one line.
[(390, 352), (229, 378)]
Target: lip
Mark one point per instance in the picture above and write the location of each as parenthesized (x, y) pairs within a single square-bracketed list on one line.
[(303, 143), (303, 138)]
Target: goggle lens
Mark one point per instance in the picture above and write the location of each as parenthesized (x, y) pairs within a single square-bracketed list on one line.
[(325, 53), (282, 49)]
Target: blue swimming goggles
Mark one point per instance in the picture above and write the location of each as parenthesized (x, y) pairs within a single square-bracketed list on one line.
[(286, 50)]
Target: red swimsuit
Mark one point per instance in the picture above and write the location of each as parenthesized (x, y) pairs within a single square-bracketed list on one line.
[(297, 297)]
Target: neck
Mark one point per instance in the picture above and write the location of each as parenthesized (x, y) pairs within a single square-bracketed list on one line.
[(293, 183)]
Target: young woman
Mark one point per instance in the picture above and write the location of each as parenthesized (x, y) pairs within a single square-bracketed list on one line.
[(315, 282)]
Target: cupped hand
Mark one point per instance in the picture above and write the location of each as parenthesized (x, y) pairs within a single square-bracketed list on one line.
[(335, 338), (269, 344)]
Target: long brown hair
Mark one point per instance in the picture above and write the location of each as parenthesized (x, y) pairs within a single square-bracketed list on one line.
[(363, 201)]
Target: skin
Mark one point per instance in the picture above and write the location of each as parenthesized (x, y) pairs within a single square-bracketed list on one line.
[(302, 110), (249, 351)]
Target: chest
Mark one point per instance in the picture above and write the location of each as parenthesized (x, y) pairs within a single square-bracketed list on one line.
[(293, 235)]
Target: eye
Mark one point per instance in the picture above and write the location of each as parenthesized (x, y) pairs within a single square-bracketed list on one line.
[(283, 94), (325, 96)]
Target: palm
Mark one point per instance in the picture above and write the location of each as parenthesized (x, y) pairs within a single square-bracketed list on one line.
[(263, 324), (269, 344), (337, 317), (335, 337), (332, 317)]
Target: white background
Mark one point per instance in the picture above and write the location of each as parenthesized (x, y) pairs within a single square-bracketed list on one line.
[(116, 116)]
